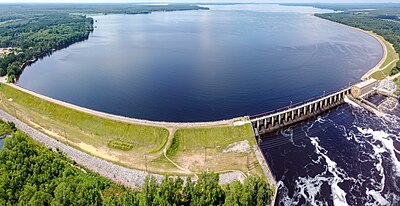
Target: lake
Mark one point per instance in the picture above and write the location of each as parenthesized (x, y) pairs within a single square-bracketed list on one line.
[(226, 62), (237, 60)]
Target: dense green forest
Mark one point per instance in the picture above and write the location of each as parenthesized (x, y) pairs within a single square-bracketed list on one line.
[(347, 6), (34, 30), (31, 174), (382, 19)]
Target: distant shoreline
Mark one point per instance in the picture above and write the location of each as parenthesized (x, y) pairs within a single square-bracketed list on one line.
[(376, 68)]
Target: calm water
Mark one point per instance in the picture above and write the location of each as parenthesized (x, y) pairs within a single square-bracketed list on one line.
[(1, 143), (204, 65), (237, 60)]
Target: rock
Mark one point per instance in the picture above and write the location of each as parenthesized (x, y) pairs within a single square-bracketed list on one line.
[(238, 147)]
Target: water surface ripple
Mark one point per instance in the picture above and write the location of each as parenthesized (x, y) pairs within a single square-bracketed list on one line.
[(345, 157), (204, 65)]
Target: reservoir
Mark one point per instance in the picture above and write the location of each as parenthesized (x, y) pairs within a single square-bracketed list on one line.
[(215, 64), (238, 60)]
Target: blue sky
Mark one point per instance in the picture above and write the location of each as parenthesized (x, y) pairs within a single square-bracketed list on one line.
[(202, 1)]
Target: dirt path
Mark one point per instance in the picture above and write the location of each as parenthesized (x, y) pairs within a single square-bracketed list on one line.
[(371, 72), (167, 146)]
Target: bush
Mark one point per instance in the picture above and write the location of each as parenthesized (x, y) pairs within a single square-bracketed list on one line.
[(120, 145)]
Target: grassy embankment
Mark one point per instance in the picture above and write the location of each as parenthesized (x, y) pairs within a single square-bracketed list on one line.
[(130, 145), (83, 131), (202, 148), (389, 63)]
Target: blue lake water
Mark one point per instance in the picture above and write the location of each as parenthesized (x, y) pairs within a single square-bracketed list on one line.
[(237, 60), (204, 65)]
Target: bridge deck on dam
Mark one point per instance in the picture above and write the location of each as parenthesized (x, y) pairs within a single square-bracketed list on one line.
[(273, 120), (285, 116)]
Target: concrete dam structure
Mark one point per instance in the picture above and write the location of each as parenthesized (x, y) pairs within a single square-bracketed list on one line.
[(270, 121), (273, 120)]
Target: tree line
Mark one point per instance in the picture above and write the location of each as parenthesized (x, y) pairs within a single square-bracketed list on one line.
[(383, 20), (31, 174), (35, 35), (34, 30)]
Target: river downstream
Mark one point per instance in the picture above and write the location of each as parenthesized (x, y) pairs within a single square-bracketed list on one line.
[(233, 61), (345, 157)]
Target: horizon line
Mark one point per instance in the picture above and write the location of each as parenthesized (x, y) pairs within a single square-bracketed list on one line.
[(191, 2)]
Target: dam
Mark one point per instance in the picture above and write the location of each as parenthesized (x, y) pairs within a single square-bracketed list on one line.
[(273, 120)]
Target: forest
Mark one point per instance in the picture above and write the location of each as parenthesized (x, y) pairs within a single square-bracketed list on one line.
[(31, 174), (34, 30)]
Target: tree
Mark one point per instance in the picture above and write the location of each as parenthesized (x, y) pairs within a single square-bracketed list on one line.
[(31, 174), (207, 191)]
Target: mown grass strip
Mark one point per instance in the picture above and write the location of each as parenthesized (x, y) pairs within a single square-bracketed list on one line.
[(216, 137), (389, 63), (80, 126)]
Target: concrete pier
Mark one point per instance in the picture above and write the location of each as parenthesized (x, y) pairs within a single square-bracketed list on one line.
[(358, 93), (290, 115)]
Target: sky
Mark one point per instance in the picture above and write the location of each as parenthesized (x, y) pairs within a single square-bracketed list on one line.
[(197, 1)]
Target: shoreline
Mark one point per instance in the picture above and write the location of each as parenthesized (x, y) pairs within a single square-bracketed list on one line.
[(226, 175), (169, 125), (375, 68), (173, 125)]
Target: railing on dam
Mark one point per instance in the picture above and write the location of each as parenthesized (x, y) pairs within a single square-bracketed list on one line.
[(272, 120)]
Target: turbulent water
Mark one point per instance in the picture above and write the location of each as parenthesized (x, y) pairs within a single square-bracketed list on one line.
[(344, 157)]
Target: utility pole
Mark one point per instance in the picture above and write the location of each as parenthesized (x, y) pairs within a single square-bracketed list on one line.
[(183, 142), (15, 111), (205, 154), (248, 160), (145, 161), (65, 135)]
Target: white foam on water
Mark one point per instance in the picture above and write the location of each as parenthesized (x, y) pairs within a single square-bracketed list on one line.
[(388, 146), (286, 200), (348, 101), (289, 134), (338, 194), (381, 143), (376, 194), (309, 188), (379, 199)]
